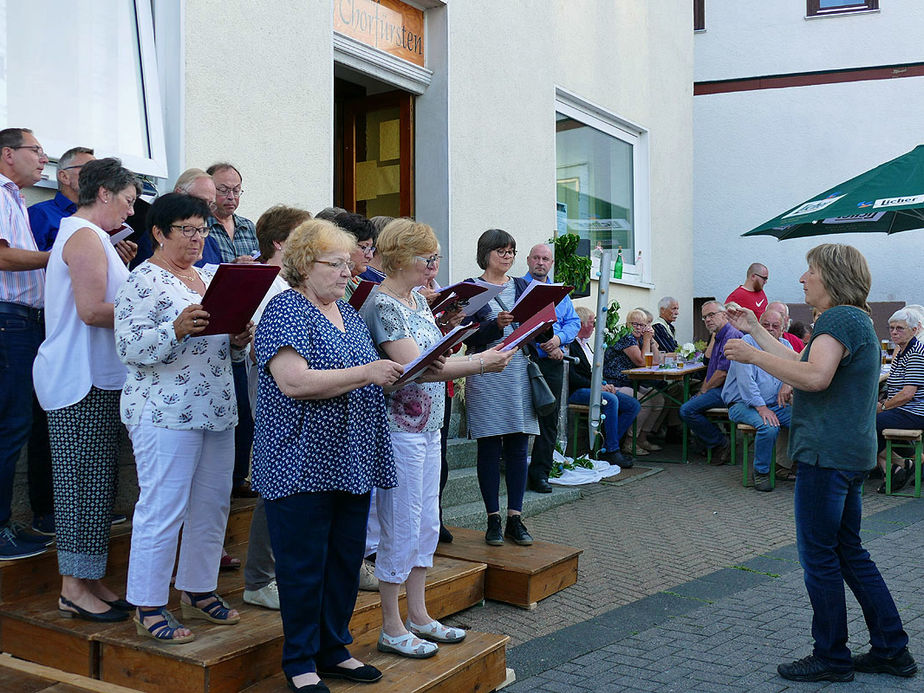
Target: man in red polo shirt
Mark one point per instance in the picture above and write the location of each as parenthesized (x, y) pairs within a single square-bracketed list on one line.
[(751, 293)]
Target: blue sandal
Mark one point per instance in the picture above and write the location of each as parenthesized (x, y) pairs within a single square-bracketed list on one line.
[(216, 609), (163, 630)]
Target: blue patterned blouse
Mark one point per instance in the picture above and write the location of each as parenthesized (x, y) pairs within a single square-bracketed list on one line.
[(312, 445), (616, 360)]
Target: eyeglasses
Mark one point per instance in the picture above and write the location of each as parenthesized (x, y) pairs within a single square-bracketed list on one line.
[(639, 324), (505, 252), (71, 168), (190, 231), (712, 314), (367, 249), (432, 260), (34, 147), (225, 191), (339, 265), (898, 328), (767, 278)]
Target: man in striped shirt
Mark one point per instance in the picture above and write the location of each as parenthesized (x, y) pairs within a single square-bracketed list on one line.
[(22, 298)]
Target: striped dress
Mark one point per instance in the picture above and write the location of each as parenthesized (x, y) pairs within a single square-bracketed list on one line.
[(500, 403)]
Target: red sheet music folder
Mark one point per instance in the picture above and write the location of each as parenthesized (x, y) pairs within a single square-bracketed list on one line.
[(535, 299), (530, 328), (449, 340), (361, 293), (234, 296)]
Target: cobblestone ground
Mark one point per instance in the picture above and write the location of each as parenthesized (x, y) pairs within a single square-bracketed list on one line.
[(648, 535)]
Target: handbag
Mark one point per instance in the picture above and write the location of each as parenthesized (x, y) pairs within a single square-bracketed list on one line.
[(544, 401)]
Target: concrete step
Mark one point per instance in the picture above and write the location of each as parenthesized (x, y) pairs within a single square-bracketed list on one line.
[(461, 453), (461, 487)]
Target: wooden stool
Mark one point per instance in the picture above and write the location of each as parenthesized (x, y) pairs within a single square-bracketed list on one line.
[(578, 413), (746, 431), (903, 436), (719, 416)]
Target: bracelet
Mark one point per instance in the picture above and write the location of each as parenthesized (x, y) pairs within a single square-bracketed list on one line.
[(480, 360)]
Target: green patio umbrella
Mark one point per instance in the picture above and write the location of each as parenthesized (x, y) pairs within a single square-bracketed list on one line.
[(886, 199)]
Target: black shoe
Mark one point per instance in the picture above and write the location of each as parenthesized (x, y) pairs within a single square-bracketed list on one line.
[(364, 674), (74, 611), (445, 535), (319, 687), (762, 482), (27, 536), (813, 669), (901, 665), (538, 485), (120, 604), (899, 478), (494, 537), (720, 454), (117, 518), (44, 524), (516, 530), (623, 459)]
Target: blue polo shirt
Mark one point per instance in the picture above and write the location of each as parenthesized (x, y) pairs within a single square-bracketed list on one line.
[(567, 324), (45, 219)]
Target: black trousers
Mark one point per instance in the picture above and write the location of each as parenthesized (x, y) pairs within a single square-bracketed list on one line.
[(541, 461)]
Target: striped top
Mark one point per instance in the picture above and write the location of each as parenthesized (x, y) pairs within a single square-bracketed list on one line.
[(908, 369), (26, 287)]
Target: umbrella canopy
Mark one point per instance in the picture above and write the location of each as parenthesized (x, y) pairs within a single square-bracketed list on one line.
[(886, 199)]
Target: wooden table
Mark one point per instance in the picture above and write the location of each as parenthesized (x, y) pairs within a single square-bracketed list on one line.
[(682, 374)]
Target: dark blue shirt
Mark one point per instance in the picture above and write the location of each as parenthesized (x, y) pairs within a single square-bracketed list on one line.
[(45, 219)]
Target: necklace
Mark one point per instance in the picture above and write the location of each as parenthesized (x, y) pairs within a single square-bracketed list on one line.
[(187, 277), (404, 299)]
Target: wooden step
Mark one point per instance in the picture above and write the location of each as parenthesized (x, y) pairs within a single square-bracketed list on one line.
[(519, 575), (26, 677), (229, 658), (478, 663), (39, 574)]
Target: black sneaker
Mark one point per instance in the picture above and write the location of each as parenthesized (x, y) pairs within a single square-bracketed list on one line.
[(813, 669), (117, 518), (762, 482), (27, 536), (44, 524), (494, 537), (516, 530), (900, 665), (13, 547)]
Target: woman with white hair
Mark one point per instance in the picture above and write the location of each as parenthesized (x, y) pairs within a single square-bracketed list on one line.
[(903, 406)]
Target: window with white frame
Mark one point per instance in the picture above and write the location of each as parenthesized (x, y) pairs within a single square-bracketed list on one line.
[(820, 8), (602, 182), (84, 72)]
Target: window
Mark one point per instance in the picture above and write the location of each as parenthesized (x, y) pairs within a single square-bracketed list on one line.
[(699, 15), (602, 181), (821, 8), (98, 74)]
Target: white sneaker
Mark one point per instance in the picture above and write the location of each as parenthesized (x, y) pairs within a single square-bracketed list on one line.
[(367, 579), (267, 596)]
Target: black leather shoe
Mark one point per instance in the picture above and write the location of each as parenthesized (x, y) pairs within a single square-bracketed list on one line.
[(445, 535), (516, 530), (120, 604), (364, 674), (539, 485), (813, 669), (493, 536), (901, 665), (623, 459), (720, 454), (68, 609)]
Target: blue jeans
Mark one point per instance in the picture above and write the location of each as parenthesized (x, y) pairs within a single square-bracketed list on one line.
[(318, 540), (828, 507), (619, 412), (692, 412), (739, 412), (19, 342)]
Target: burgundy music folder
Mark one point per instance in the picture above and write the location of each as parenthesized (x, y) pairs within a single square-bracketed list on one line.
[(536, 297), (234, 296)]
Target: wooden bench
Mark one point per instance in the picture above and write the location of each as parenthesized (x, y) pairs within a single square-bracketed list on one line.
[(903, 436), (719, 416), (577, 414), (746, 432)]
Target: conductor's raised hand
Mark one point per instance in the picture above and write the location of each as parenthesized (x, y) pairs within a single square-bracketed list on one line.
[(741, 317)]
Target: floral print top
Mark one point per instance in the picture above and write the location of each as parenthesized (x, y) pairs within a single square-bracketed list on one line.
[(416, 407), (187, 383)]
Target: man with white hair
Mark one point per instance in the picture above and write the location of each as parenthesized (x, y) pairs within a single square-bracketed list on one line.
[(197, 183), (795, 342), (663, 325)]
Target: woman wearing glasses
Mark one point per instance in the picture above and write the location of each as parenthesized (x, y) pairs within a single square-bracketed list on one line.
[(178, 403), (363, 230), (499, 406), (403, 327), (78, 378)]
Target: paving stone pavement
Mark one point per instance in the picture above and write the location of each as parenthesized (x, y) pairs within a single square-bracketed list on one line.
[(689, 582)]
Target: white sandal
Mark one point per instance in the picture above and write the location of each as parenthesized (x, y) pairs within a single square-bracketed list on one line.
[(403, 645), (435, 631)]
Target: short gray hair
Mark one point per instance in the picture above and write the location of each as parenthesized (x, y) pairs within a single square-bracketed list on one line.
[(910, 316), (68, 157), (666, 302), (187, 178)]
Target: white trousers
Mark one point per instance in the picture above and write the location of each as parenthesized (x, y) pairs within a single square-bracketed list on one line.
[(409, 514), (185, 481)]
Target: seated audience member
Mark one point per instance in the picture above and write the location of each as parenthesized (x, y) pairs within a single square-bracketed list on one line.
[(178, 404), (693, 412), (795, 341), (374, 271), (45, 217), (363, 231), (665, 334), (322, 443), (620, 410), (196, 182), (903, 406), (751, 293), (801, 330), (629, 352), (758, 399), (920, 311)]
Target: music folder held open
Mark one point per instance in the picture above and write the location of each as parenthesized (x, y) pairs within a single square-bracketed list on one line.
[(234, 295)]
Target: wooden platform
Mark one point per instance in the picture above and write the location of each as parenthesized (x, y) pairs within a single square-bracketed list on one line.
[(26, 677), (519, 575)]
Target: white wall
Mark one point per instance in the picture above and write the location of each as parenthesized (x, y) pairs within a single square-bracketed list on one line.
[(259, 93), (748, 38), (632, 58)]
